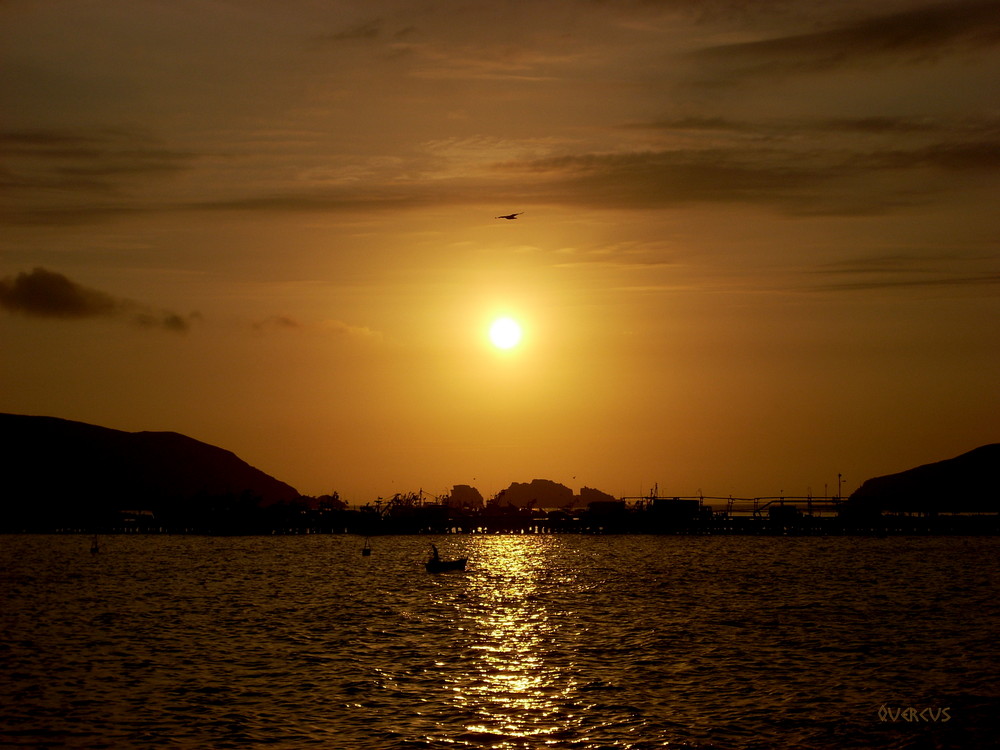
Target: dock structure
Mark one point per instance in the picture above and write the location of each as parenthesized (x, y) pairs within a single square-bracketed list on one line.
[(420, 513), (692, 514), (653, 513)]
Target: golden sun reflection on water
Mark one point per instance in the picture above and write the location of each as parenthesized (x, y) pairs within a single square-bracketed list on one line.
[(512, 688)]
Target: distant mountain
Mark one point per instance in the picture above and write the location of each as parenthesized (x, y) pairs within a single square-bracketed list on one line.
[(59, 468), (544, 493), (541, 493), (964, 484)]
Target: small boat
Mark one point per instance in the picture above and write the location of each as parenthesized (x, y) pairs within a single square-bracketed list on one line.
[(440, 566)]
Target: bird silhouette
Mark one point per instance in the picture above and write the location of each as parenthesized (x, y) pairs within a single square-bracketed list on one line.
[(510, 216)]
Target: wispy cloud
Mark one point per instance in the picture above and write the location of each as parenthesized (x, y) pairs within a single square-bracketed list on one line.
[(795, 175), (904, 283), (955, 156), (367, 30), (909, 35), (875, 125), (65, 177), (340, 328), (62, 155), (337, 328), (783, 170), (47, 294), (324, 156), (279, 322), (905, 271)]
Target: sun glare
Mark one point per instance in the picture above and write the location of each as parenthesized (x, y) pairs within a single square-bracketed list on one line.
[(505, 333)]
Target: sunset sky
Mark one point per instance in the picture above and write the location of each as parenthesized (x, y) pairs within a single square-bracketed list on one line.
[(758, 247)]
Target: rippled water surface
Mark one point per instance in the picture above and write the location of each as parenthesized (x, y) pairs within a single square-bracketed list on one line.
[(543, 642)]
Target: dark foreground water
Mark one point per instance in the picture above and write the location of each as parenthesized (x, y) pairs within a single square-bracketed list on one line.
[(544, 642)]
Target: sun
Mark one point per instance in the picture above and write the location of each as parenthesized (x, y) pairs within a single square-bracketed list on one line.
[(505, 333)]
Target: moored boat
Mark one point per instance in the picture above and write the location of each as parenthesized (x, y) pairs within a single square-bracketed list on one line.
[(437, 565), (440, 566)]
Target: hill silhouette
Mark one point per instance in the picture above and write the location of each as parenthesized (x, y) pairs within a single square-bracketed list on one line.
[(964, 484), (544, 493), (60, 468)]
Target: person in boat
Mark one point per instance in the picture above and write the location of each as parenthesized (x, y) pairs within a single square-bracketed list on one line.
[(435, 557)]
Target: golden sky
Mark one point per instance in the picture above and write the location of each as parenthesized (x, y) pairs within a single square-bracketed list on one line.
[(758, 247)]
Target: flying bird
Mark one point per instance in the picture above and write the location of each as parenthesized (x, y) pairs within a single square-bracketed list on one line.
[(510, 216)]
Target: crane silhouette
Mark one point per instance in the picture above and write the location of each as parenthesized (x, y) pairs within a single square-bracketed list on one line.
[(510, 216)]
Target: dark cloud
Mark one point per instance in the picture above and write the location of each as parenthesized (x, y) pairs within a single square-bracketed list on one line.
[(90, 174), (795, 175), (907, 271), (67, 215), (807, 164), (963, 156), (981, 156), (912, 35), (644, 179), (47, 294), (671, 178), (65, 178), (798, 165), (363, 31), (49, 142), (92, 167), (166, 320), (704, 123), (896, 264), (910, 283), (791, 126), (336, 200), (51, 295), (875, 125), (105, 153)]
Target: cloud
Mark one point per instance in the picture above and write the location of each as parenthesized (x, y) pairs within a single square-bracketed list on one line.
[(791, 166), (654, 179), (47, 294), (65, 177), (849, 165), (106, 153), (65, 215), (283, 322), (773, 128), (800, 165), (361, 32), (908, 35), (904, 271), (793, 169), (335, 327), (167, 320), (952, 156), (902, 283), (340, 328)]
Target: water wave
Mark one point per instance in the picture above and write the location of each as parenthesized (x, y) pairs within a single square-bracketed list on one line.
[(543, 642)]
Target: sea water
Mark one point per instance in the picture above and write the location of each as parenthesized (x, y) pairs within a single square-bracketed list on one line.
[(559, 641)]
